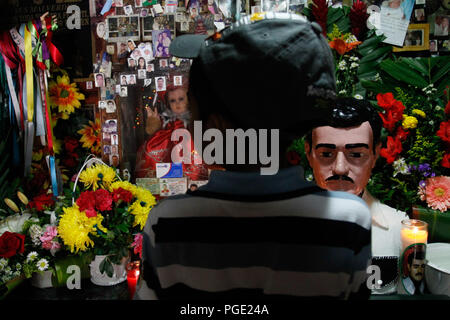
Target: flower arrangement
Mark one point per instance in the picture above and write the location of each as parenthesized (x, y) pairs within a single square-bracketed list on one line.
[(29, 240), (414, 166), (106, 217)]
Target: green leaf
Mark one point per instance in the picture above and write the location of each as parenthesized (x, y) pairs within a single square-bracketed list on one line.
[(444, 69), (376, 54), (106, 266), (403, 74), (370, 44), (417, 65)]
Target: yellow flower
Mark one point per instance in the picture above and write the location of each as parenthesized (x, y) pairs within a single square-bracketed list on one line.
[(74, 228), (409, 122), (124, 185), (142, 206), (91, 136), (419, 113), (64, 95), (11, 204), (23, 198), (98, 176), (57, 145), (37, 155)]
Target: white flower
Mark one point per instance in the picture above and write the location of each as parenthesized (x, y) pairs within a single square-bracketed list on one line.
[(354, 65), (3, 263), (32, 256), (342, 65), (400, 166), (16, 274), (42, 264), (438, 108), (358, 96), (377, 77), (36, 233), (338, 82), (309, 177), (15, 222), (354, 58), (431, 122), (343, 91), (18, 266)]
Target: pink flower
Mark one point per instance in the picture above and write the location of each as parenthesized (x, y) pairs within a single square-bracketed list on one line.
[(436, 193), (51, 245), (137, 244), (49, 234)]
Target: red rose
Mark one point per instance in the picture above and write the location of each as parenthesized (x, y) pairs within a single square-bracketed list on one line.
[(122, 194), (70, 143), (385, 100), (90, 213), (444, 131), (41, 202), (86, 200), (392, 150), (11, 244), (402, 134), (103, 200), (446, 161)]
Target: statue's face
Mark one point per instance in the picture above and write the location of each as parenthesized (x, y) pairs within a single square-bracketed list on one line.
[(342, 159)]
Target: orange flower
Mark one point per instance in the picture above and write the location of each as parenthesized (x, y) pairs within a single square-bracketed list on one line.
[(436, 193), (91, 136), (64, 95), (341, 46)]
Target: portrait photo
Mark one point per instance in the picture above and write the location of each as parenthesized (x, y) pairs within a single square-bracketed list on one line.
[(138, 3), (102, 104), (150, 67), (163, 63), (128, 10), (99, 80), (110, 126), (178, 80), (123, 92), (122, 50), (114, 160), (433, 45), (110, 106), (141, 63), (114, 139), (142, 74), (160, 83), (161, 42), (131, 79), (89, 85), (123, 80), (441, 25), (106, 149), (131, 63)]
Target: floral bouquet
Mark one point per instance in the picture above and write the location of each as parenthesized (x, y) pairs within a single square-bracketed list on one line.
[(29, 240), (415, 158), (106, 218)]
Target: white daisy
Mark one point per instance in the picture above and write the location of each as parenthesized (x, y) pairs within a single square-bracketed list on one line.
[(342, 65), (354, 65), (32, 256), (358, 96), (42, 264)]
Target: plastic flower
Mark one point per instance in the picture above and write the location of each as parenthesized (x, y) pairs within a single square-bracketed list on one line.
[(74, 228), (98, 175), (64, 95), (409, 122), (42, 264), (436, 193), (91, 136)]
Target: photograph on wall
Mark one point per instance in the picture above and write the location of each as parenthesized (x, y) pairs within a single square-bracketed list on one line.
[(123, 28), (441, 25), (416, 38), (150, 23), (394, 20), (161, 41), (275, 5)]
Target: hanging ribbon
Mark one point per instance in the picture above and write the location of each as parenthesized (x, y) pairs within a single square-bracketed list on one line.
[(53, 51), (29, 129)]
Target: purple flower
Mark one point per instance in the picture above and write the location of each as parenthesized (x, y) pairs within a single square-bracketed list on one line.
[(433, 174), (422, 183), (424, 167), (426, 174)]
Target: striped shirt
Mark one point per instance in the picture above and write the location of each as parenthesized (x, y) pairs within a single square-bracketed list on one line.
[(247, 235)]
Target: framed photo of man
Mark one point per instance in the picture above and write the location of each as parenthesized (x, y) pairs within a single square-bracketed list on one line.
[(416, 39)]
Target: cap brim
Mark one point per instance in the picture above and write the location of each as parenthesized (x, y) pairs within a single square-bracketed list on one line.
[(187, 46)]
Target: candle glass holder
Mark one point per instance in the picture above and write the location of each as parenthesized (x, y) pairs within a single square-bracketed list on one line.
[(133, 272), (414, 237)]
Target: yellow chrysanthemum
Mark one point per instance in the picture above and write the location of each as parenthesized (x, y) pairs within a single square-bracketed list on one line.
[(124, 185), (419, 113), (409, 122), (91, 136), (74, 228), (57, 145), (142, 206), (98, 176), (64, 95)]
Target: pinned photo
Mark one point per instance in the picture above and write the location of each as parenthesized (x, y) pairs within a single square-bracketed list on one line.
[(131, 63), (110, 106), (107, 149), (118, 3), (163, 63), (441, 25), (101, 30), (177, 80), (114, 139), (114, 149), (110, 126), (99, 80), (123, 80), (118, 86), (138, 3), (131, 79), (142, 73), (110, 49), (124, 92), (141, 63), (114, 160), (128, 10), (106, 135), (102, 104), (160, 83), (88, 85), (144, 12), (150, 67), (147, 82), (161, 42), (131, 45), (122, 50)]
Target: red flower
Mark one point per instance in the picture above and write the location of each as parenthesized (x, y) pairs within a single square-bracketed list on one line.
[(11, 244), (70, 143), (103, 200), (41, 202), (86, 200), (446, 160), (447, 108), (70, 161), (389, 120), (402, 134), (392, 150), (320, 12), (444, 131), (358, 18), (342, 47), (90, 213), (385, 100), (122, 194), (293, 157)]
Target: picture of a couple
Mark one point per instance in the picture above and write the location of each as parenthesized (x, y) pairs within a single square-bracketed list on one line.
[(161, 42)]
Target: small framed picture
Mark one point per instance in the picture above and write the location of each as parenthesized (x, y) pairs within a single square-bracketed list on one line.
[(131, 79), (178, 80), (114, 160), (138, 3), (123, 92), (110, 126), (110, 106), (110, 49), (441, 25), (106, 149), (123, 80), (114, 139), (101, 30), (141, 64), (433, 45), (419, 15), (144, 12), (123, 28), (88, 85), (131, 63), (128, 10), (102, 104), (150, 67), (122, 50), (416, 39), (163, 63), (160, 83), (142, 73), (99, 80)]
